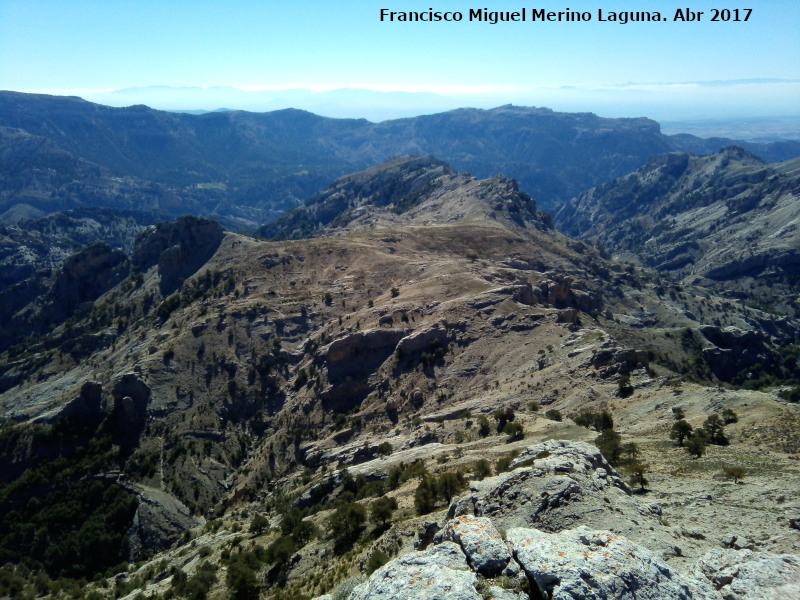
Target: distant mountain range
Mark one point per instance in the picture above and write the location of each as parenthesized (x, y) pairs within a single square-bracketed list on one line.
[(246, 169)]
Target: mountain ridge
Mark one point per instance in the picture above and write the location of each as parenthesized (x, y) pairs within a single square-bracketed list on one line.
[(727, 220), (252, 167)]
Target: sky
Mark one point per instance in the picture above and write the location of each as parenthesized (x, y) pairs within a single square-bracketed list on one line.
[(677, 68)]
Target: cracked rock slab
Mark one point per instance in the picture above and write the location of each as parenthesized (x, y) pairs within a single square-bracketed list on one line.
[(438, 573), (485, 549), (582, 564)]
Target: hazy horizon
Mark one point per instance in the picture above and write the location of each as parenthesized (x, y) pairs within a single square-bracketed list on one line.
[(665, 103), (261, 55)]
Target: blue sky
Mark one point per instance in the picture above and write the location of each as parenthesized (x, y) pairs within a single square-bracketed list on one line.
[(83, 47)]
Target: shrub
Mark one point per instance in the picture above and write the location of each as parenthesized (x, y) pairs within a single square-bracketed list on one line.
[(636, 471), (504, 463), (514, 431), (483, 426), (629, 453), (625, 388), (481, 469), (595, 420), (376, 561), (735, 473), (241, 580), (609, 442), (533, 406), (713, 426), (449, 484), (553, 415), (385, 448), (696, 443), (678, 413), (382, 509), (425, 496), (259, 524), (281, 550), (501, 417), (347, 522), (728, 416)]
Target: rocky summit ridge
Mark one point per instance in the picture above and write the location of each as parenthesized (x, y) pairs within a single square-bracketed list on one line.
[(472, 557), (411, 190)]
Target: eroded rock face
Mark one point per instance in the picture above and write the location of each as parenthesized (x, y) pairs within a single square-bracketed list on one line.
[(159, 521), (421, 340), (87, 275), (746, 575), (437, 573), (582, 563), (87, 406), (129, 412), (360, 353), (179, 249), (553, 486)]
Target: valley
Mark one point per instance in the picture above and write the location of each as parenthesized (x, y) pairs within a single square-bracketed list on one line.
[(412, 363)]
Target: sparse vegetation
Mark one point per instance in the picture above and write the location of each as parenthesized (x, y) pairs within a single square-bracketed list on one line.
[(624, 386), (514, 431), (736, 473), (554, 415), (595, 420), (381, 510)]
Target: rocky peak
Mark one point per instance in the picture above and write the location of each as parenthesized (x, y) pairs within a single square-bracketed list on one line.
[(408, 190), (88, 274), (179, 248)]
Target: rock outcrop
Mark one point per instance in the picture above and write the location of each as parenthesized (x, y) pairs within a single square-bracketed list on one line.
[(440, 572), (88, 274), (87, 406), (131, 397), (360, 353), (553, 485), (572, 565), (558, 485), (159, 521), (486, 551), (582, 563), (747, 575), (179, 248)]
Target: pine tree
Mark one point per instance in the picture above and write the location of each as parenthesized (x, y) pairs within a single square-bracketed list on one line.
[(680, 431)]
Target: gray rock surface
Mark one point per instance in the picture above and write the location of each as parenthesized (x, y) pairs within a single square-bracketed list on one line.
[(158, 522), (553, 485), (438, 573), (747, 575), (558, 485), (582, 563), (577, 564), (486, 551)]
